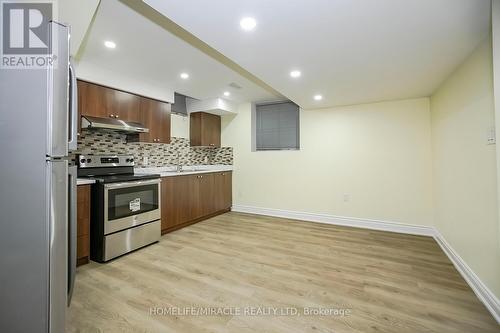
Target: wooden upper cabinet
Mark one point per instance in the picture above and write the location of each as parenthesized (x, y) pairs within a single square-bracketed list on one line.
[(103, 102), (99, 101), (205, 129), (155, 115)]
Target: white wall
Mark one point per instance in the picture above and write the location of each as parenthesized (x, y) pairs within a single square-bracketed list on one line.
[(464, 166), (378, 155), (179, 126), (495, 22)]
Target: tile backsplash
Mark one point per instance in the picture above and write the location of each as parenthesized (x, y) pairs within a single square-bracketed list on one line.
[(98, 142)]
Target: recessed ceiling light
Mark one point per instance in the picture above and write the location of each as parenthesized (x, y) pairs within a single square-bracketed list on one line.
[(295, 74), (109, 44), (248, 23), (184, 76), (227, 93), (318, 97)]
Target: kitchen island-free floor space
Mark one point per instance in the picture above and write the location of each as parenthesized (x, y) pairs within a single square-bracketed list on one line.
[(263, 274)]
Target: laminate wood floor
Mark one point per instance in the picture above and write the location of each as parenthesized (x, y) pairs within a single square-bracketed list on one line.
[(379, 281)]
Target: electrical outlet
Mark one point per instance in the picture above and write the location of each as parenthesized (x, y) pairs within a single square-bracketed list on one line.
[(346, 197)]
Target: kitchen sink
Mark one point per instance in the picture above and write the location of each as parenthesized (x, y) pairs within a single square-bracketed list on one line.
[(189, 170)]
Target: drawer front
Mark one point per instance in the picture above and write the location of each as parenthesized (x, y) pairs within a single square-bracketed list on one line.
[(131, 239)]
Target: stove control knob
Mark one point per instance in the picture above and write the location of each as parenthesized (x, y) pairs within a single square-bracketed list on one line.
[(89, 160), (82, 160), (131, 160)]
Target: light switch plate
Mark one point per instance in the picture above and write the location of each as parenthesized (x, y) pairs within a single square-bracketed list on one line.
[(491, 139)]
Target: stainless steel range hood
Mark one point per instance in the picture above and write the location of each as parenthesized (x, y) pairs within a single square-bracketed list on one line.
[(113, 124)]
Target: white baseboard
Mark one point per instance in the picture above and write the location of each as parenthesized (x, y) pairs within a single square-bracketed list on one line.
[(339, 220), (480, 289)]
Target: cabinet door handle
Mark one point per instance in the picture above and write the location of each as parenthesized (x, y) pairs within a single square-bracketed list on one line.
[(116, 116), (223, 174), (111, 115)]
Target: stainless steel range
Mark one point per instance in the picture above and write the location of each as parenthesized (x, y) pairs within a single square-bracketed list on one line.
[(125, 206)]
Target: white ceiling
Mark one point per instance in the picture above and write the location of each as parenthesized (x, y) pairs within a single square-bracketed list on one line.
[(148, 60), (350, 51), (80, 14)]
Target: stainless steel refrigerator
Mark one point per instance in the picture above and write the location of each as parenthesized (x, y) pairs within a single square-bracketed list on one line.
[(38, 125)]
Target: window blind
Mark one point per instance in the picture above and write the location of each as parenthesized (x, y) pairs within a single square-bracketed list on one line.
[(277, 126)]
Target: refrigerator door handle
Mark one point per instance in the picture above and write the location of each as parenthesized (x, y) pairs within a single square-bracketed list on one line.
[(58, 242), (73, 109), (72, 231), (58, 83)]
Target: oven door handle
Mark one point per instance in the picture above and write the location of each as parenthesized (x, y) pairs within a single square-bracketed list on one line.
[(132, 183)]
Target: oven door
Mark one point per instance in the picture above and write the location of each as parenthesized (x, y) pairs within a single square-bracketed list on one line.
[(129, 204)]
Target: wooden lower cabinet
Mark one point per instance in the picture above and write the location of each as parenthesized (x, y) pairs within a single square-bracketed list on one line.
[(83, 224), (205, 186), (175, 193), (223, 190), (193, 198)]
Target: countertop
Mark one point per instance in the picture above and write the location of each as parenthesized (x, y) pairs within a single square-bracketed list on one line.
[(187, 170), (84, 181)]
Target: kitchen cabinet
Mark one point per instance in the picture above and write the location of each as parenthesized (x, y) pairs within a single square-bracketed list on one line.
[(104, 102), (203, 205), (223, 190), (83, 224), (187, 199), (205, 129), (176, 199), (155, 115)]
